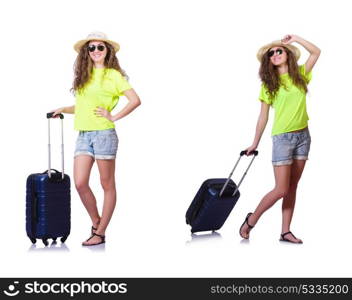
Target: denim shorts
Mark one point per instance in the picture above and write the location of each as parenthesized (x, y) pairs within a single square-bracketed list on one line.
[(100, 144), (289, 146)]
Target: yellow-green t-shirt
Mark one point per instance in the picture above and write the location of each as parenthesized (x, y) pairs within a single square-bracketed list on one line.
[(289, 104), (103, 89)]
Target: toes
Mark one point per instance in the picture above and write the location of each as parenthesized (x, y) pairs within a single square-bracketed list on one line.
[(89, 242), (295, 240), (244, 233), (92, 241), (291, 238)]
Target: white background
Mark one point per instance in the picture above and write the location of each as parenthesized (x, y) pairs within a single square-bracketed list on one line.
[(194, 65)]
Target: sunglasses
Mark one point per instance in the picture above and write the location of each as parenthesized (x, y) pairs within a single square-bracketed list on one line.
[(277, 51), (92, 48)]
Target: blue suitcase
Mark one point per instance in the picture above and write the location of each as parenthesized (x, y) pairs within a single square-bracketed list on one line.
[(214, 201), (48, 201)]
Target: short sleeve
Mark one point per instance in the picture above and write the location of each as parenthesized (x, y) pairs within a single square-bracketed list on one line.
[(121, 83), (264, 95), (306, 76)]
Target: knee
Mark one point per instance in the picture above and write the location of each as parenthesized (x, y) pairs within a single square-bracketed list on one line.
[(107, 184), (81, 186), (281, 192)]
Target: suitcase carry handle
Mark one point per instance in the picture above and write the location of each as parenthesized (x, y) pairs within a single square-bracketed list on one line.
[(254, 153), (50, 116), (52, 170)]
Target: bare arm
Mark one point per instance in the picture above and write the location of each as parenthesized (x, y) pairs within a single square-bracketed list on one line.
[(69, 109), (261, 124), (65, 110), (311, 48), (133, 102)]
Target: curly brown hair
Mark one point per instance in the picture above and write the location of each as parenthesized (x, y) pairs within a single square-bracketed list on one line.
[(84, 65), (270, 77)]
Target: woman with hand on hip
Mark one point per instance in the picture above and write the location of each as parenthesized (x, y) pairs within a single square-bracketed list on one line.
[(98, 83), (284, 87)]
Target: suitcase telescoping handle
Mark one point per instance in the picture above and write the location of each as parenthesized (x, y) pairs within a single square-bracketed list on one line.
[(50, 116), (254, 153)]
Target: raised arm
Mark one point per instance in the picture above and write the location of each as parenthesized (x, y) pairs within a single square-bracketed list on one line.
[(261, 124), (311, 48)]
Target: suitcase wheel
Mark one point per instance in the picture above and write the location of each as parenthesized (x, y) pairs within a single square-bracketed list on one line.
[(45, 242), (33, 240), (63, 239)]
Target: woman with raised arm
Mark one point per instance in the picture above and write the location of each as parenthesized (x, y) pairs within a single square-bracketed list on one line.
[(284, 87)]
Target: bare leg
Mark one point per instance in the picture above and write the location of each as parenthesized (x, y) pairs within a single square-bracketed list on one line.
[(288, 203), (81, 172), (282, 181), (107, 179)]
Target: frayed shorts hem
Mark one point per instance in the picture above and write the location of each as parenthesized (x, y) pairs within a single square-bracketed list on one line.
[(83, 153), (301, 157), (289, 161), (105, 157)]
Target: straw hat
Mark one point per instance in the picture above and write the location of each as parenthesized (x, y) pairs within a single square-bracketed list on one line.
[(96, 36), (279, 43)]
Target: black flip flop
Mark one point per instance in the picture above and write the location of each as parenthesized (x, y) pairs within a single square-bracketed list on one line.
[(102, 237), (283, 239), (246, 222)]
